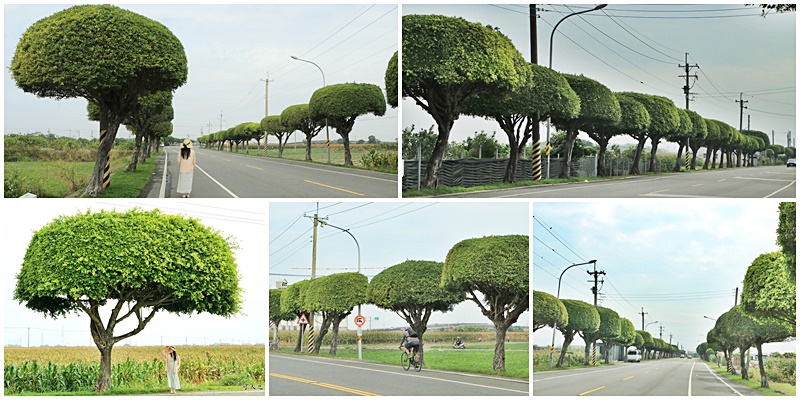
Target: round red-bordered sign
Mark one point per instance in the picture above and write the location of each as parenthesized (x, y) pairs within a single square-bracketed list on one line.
[(360, 320)]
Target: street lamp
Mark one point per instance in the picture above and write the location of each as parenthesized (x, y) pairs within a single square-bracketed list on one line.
[(327, 131), (601, 6), (347, 231), (651, 323), (558, 294), (713, 319)]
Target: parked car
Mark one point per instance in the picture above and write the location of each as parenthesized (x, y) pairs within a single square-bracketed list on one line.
[(634, 355), (791, 163), (682, 356), (689, 356)]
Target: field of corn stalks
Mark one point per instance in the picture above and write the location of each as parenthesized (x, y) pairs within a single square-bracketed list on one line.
[(69, 369)]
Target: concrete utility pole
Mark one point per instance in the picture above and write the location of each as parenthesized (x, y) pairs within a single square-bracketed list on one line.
[(266, 95), (595, 289), (313, 274), (736, 298), (741, 109), (536, 158), (686, 68), (643, 313), (660, 331)]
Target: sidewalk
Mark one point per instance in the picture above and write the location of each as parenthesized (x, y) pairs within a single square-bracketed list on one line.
[(160, 182)]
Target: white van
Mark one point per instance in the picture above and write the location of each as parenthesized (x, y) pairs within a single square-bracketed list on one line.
[(634, 355)]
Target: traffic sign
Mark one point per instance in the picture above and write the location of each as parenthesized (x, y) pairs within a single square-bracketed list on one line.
[(303, 320), (360, 320)]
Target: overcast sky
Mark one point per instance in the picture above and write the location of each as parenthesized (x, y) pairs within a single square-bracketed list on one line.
[(388, 234), (230, 50), (678, 262), (737, 51), (243, 219)]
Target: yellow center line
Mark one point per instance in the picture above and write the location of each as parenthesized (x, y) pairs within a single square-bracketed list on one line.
[(323, 384), (699, 184), (334, 187), (590, 391), (628, 378), (260, 169), (660, 191)]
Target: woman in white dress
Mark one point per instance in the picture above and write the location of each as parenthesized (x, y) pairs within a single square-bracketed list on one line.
[(186, 164), (172, 365)]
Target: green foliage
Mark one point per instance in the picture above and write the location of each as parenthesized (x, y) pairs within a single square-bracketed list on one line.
[(276, 314), (768, 289), (627, 332), (699, 127), (412, 285), (496, 266), (582, 317), (391, 81), (638, 340), (298, 118), (787, 235), (484, 146), (597, 103), (293, 298), (343, 103), (64, 55), (411, 140), (172, 262), (380, 160), (580, 149), (547, 311), (336, 293)]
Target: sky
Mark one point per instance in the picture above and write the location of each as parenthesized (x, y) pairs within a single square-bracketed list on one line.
[(243, 219), (231, 49), (388, 234), (639, 47), (678, 262)]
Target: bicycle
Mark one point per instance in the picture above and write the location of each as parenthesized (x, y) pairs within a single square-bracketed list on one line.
[(414, 360)]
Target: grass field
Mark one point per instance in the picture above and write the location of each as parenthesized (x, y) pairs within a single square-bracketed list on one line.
[(775, 388), (476, 358), (134, 369)]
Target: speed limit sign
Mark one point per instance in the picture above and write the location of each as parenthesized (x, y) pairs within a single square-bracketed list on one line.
[(360, 320)]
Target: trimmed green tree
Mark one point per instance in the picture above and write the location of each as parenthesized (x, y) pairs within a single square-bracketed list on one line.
[(518, 112), (597, 105), (682, 133), (647, 343), (495, 269), (105, 54), (147, 116), (390, 80), (334, 296), (68, 268), (293, 302), (627, 335), (445, 61), (547, 311), (276, 316), (634, 120), (412, 289), (272, 125), (697, 135), (663, 119), (608, 331), (787, 235), (298, 118), (582, 317), (342, 103), (769, 290)]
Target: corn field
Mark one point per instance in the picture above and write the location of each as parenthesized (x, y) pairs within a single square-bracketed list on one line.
[(69, 369)]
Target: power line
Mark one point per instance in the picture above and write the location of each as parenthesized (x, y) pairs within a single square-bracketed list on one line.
[(552, 249), (550, 231), (620, 23), (350, 209)]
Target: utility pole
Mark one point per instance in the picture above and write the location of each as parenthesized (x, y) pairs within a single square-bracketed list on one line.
[(748, 122), (316, 219), (687, 68), (643, 313), (209, 126), (736, 298), (789, 139), (536, 158), (660, 331), (670, 339), (741, 109), (266, 95), (595, 289), (220, 120)]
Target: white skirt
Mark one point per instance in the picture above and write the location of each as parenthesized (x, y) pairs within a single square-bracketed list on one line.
[(185, 182)]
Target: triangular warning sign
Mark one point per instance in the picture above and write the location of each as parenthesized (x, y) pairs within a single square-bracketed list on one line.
[(303, 320)]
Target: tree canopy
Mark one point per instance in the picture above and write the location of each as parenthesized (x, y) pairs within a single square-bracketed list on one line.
[(634, 120), (768, 289), (547, 311), (298, 118), (390, 81), (787, 235), (272, 125), (582, 317), (334, 296)]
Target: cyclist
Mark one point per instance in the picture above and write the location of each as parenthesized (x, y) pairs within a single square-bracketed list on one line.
[(411, 339)]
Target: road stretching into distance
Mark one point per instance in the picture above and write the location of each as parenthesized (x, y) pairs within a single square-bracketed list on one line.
[(292, 375), (222, 174), (752, 182), (669, 377)]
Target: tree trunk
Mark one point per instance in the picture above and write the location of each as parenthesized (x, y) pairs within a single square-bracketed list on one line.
[(276, 344), (323, 329), (569, 143), (348, 159), (281, 146), (431, 178), (499, 362), (761, 371), (104, 377), (677, 167), (308, 146), (337, 319), (743, 361), (607, 344), (694, 158), (511, 168), (601, 158), (653, 151), (299, 345), (110, 124), (638, 156), (714, 158), (567, 341), (135, 157)]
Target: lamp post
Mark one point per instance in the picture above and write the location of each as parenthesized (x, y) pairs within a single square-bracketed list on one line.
[(558, 294), (327, 130), (651, 323), (601, 6), (347, 231), (713, 319)]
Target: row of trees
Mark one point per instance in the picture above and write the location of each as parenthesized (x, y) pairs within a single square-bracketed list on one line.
[(768, 310), (62, 56), (593, 323), (452, 67), (337, 106), (491, 271)]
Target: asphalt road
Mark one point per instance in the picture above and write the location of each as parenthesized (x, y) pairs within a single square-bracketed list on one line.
[(228, 175), (670, 377), (758, 182), (291, 375)]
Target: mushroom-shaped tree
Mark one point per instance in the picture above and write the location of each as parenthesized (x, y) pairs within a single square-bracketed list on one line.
[(298, 118)]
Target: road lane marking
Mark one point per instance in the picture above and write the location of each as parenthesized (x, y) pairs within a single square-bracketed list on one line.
[(225, 159), (162, 191), (590, 391), (406, 376), (765, 179), (660, 191), (217, 182), (699, 184), (779, 190), (323, 384), (646, 372), (721, 380), (333, 187), (571, 187), (260, 169), (721, 180), (625, 379), (690, 378)]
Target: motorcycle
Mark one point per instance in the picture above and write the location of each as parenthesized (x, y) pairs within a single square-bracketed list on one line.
[(459, 346)]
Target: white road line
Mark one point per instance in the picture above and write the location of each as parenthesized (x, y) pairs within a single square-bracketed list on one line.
[(690, 378), (779, 190), (217, 182), (163, 190), (721, 380), (405, 374), (765, 179), (578, 187), (580, 373)]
